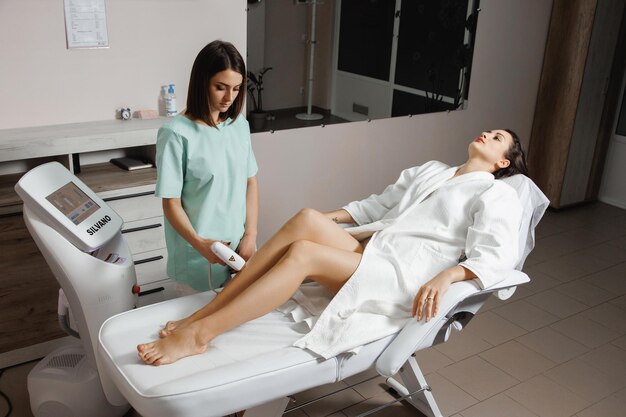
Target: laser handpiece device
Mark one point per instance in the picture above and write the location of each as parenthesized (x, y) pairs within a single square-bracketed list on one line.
[(229, 256)]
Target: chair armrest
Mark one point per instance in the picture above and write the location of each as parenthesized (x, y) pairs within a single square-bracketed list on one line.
[(461, 298)]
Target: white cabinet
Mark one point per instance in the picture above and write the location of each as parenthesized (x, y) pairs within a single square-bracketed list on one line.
[(136, 207), (143, 231), (144, 235), (150, 266)]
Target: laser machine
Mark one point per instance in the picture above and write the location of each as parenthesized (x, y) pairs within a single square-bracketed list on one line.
[(80, 237)]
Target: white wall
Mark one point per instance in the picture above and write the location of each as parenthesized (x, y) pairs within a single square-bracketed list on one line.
[(285, 48), (255, 35), (285, 31), (255, 40), (323, 61), (152, 42), (43, 83)]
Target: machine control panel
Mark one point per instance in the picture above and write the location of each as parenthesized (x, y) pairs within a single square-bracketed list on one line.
[(62, 200)]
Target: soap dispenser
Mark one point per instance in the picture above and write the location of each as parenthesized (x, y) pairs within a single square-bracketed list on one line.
[(170, 102)]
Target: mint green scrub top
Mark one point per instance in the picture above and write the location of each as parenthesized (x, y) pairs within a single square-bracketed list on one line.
[(208, 169)]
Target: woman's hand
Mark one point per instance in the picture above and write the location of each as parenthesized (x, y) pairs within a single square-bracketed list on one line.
[(203, 246), (426, 302), (173, 211), (247, 246)]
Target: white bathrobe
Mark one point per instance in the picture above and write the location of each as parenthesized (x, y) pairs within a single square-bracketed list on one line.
[(424, 223)]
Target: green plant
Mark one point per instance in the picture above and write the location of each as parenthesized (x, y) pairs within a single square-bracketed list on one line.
[(255, 85)]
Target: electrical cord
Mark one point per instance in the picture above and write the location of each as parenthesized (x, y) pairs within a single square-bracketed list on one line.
[(6, 398)]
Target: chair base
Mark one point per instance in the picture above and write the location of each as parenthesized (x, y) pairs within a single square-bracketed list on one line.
[(415, 390), (414, 382)]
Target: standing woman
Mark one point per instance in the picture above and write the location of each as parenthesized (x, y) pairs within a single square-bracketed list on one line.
[(206, 172)]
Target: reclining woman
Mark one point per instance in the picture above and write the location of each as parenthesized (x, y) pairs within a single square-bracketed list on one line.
[(435, 226)]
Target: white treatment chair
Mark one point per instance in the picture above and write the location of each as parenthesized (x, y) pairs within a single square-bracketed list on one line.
[(254, 366)]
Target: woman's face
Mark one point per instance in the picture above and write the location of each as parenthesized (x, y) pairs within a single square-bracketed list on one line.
[(492, 146), (223, 89)]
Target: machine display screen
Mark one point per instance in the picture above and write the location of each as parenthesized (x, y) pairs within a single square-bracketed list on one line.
[(73, 203)]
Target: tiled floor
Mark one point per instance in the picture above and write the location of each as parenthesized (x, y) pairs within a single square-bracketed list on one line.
[(557, 348)]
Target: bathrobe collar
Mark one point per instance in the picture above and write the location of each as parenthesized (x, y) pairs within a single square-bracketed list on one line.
[(470, 176), (446, 177)]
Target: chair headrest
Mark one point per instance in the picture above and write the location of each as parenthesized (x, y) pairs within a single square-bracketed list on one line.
[(534, 204)]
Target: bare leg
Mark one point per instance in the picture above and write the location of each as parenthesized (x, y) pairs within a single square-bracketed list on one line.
[(330, 267), (308, 224)]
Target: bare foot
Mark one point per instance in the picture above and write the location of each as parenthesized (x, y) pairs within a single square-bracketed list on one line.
[(171, 326), (184, 342)]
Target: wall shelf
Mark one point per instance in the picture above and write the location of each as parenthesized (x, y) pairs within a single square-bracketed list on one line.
[(95, 143), (44, 141), (105, 177)]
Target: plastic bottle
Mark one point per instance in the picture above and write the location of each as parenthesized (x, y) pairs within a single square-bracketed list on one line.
[(162, 96), (170, 102)]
